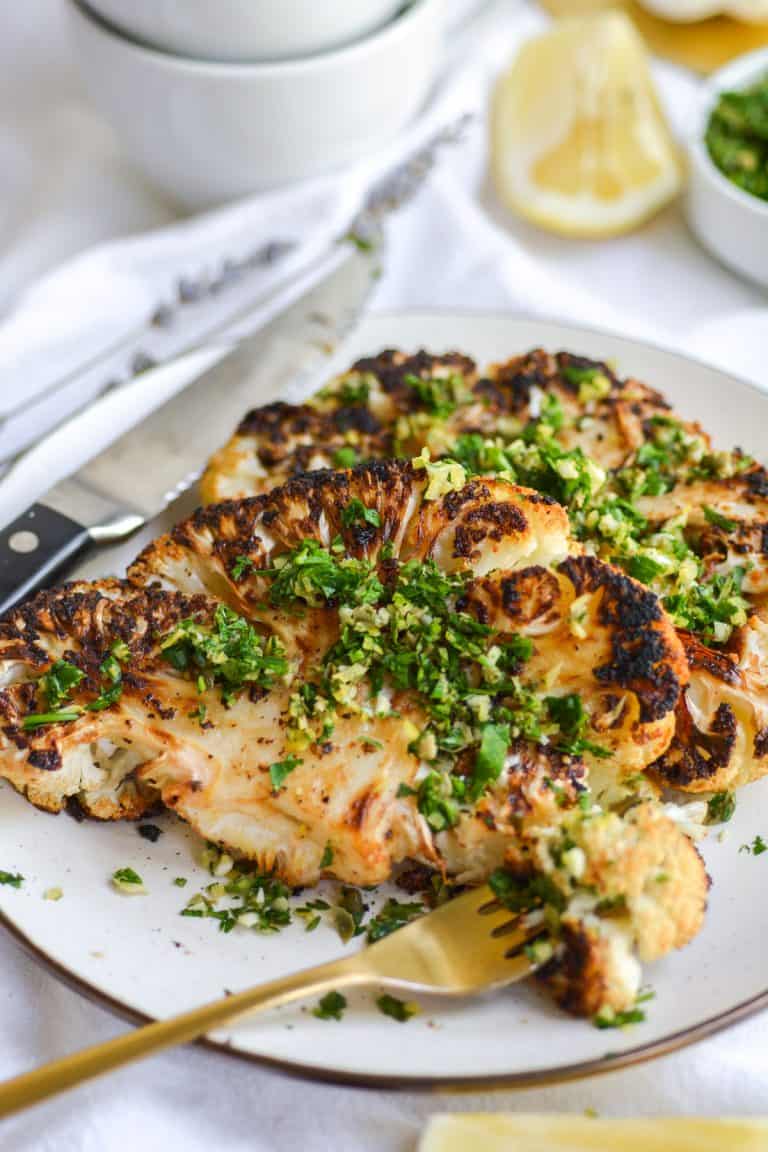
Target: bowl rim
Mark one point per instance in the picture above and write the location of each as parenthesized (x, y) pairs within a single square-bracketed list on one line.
[(737, 73), (317, 62)]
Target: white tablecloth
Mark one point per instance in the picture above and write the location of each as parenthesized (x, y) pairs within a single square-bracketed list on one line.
[(65, 188)]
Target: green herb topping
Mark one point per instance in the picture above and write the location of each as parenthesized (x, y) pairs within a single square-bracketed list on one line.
[(608, 1018), (229, 653), (128, 881), (254, 900), (411, 636), (279, 771), (241, 566), (330, 1007), (756, 848), (59, 681), (737, 137), (357, 513), (12, 879), (345, 457), (391, 917), (720, 807), (400, 1010)]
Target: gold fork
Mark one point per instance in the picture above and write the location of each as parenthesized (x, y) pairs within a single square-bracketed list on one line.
[(471, 944)]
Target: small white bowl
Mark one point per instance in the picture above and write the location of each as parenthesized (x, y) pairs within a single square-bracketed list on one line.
[(207, 132), (731, 223), (246, 30)]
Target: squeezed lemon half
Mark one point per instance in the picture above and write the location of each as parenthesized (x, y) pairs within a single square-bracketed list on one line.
[(521, 1133), (579, 143)]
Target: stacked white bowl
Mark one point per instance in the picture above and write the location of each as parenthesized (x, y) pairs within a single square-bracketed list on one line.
[(213, 100)]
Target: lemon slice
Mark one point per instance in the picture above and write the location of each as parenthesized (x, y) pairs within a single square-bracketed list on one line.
[(521, 1133), (579, 144)]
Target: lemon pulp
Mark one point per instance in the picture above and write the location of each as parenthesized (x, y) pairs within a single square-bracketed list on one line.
[(578, 140)]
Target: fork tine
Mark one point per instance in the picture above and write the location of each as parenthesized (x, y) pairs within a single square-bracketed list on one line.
[(505, 929), (470, 944)]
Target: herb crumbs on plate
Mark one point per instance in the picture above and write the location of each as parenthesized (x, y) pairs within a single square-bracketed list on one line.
[(330, 1007), (12, 879), (756, 848), (400, 1010), (128, 882)]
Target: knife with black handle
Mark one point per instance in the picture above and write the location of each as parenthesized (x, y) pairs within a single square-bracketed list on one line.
[(149, 466)]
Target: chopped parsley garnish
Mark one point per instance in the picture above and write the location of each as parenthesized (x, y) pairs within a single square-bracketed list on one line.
[(327, 858), (400, 1010), (720, 807), (345, 457), (354, 390), (229, 653), (112, 676), (128, 881), (59, 681), (63, 716), (392, 916), (256, 901), (410, 636), (330, 1007), (310, 913), (569, 714), (62, 677), (718, 520), (437, 396), (607, 1018), (356, 513), (11, 879), (489, 761), (180, 881), (438, 794), (523, 893), (279, 771), (711, 607), (756, 848), (316, 576), (241, 566)]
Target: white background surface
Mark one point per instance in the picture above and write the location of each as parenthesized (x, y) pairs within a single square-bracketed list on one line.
[(64, 188)]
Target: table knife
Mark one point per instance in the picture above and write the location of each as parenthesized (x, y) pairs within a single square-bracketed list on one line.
[(142, 472)]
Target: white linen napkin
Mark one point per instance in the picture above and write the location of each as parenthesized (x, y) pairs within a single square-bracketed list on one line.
[(99, 305), (452, 248)]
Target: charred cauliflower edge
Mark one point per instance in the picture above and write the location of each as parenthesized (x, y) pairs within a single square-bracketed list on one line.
[(125, 692), (644, 488)]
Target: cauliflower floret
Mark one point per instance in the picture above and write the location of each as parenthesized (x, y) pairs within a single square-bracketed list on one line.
[(617, 891)]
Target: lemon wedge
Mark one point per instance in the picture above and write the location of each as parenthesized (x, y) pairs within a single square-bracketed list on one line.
[(521, 1133), (579, 144)]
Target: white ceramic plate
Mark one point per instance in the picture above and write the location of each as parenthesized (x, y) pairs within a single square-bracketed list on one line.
[(144, 960)]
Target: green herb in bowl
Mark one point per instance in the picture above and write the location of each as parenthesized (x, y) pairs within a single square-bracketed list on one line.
[(737, 137)]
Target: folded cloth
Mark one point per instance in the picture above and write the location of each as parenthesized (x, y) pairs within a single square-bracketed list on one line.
[(450, 248)]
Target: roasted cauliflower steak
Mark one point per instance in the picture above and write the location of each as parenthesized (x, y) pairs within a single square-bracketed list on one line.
[(370, 668), (644, 488)]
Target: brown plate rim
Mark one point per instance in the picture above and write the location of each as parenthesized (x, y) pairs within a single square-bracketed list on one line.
[(534, 1078)]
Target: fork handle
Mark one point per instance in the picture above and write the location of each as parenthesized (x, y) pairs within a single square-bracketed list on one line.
[(50, 1079)]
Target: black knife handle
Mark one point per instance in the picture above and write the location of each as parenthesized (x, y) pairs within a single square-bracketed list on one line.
[(33, 548)]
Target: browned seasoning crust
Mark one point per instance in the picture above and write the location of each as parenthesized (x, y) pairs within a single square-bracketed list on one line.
[(153, 745), (501, 400)]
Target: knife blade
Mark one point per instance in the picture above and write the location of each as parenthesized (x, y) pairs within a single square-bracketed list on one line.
[(144, 470)]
